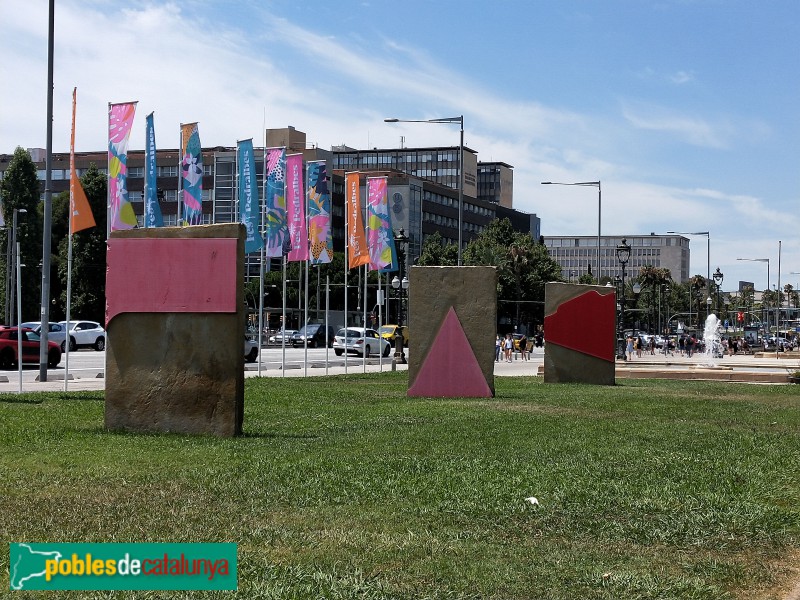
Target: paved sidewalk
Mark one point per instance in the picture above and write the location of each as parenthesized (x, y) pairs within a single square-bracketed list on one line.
[(760, 366)]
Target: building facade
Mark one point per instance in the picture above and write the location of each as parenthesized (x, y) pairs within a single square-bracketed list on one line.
[(576, 254)]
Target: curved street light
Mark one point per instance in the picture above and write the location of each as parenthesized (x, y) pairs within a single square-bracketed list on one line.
[(460, 120)]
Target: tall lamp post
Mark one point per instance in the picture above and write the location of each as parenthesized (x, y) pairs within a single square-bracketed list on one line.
[(623, 255), (718, 277), (400, 285), (766, 260), (460, 121), (599, 210)]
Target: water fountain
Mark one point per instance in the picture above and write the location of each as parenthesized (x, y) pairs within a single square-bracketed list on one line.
[(712, 340)]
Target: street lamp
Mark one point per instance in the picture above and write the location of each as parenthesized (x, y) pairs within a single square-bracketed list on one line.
[(400, 286), (708, 253), (766, 260), (460, 121), (599, 211), (718, 277), (623, 255)]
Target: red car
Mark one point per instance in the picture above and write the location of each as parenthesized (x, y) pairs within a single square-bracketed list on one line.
[(30, 348)]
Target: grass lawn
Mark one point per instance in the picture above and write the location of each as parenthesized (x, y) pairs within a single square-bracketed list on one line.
[(344, 488)]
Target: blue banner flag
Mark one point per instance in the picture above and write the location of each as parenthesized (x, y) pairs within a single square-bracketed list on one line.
[(152, 209), (248, 197)]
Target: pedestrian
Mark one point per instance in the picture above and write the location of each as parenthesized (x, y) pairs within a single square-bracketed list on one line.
[(498, 346), (682, 344), (523, 346), (508, 347), (629, 347), (651, 344)]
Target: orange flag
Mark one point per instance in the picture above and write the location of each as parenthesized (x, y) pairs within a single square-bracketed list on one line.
[(80, 213), (358, 252)]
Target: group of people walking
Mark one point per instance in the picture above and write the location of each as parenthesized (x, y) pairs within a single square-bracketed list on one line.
[(505, 347), (685, 344)]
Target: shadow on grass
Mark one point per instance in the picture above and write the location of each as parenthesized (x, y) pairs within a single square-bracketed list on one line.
[(17, 399)]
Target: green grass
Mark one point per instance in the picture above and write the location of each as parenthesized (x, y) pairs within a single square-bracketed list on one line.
[(343, 487)]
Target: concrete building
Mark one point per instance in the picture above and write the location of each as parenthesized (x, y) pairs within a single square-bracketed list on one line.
[(576, 253)]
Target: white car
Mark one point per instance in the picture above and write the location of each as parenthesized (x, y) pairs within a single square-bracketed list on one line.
[(360, 341), (280, 336), (56, 332), (86, 334)]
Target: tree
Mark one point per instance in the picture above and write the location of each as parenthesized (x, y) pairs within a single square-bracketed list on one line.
[(88, 299), (523, 267), (19, 189), (435, 253)]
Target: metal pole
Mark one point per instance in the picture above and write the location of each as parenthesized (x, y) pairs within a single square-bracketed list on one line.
[(460, 188), (19, 320), (48, 209), (599, 212)]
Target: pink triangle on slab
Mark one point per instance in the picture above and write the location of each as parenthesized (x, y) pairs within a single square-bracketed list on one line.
[(450, 370)]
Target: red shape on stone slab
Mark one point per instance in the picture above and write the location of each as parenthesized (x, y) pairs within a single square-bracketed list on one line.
[(450, 370), (584, 324), (158, 275)]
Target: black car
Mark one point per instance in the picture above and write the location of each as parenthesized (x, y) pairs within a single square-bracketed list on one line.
[(314, 335)]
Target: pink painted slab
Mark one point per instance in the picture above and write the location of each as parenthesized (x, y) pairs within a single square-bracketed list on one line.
[(450, 370), (171, 275)]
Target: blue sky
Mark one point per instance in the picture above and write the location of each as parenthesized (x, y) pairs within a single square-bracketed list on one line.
[(688, 111)]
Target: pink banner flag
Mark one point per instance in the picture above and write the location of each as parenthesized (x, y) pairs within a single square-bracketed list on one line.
[(120, 121), (296, 208)]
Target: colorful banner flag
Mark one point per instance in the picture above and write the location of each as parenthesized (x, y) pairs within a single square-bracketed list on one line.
[(382, 256), (296, 208), (276, 232), (358, 253), (319, 212), (192, 174), (248, 197), (120, 121), (152, 209), (80, 213)]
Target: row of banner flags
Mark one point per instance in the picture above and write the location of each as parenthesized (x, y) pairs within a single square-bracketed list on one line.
[(296, 208)]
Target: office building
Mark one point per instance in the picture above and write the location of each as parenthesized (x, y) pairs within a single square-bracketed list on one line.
[(576, 254)]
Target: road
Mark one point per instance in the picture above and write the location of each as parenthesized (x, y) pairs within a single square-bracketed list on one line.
[(85, 364)]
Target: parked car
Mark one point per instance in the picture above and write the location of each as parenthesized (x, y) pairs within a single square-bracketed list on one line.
[(250, 350), (30, 348), (280, 336), (360, 341), (313, 335), (389, 332), (86, 334), (56, 332)]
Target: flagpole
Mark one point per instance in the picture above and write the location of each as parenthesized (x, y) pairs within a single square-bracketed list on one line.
[(364, 319), (69, 295), (108, 171), (283, 317), (263, 246), (327, 304), (305, 318), (346, 264), (379, 302), (180, 177), (307, 262)]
